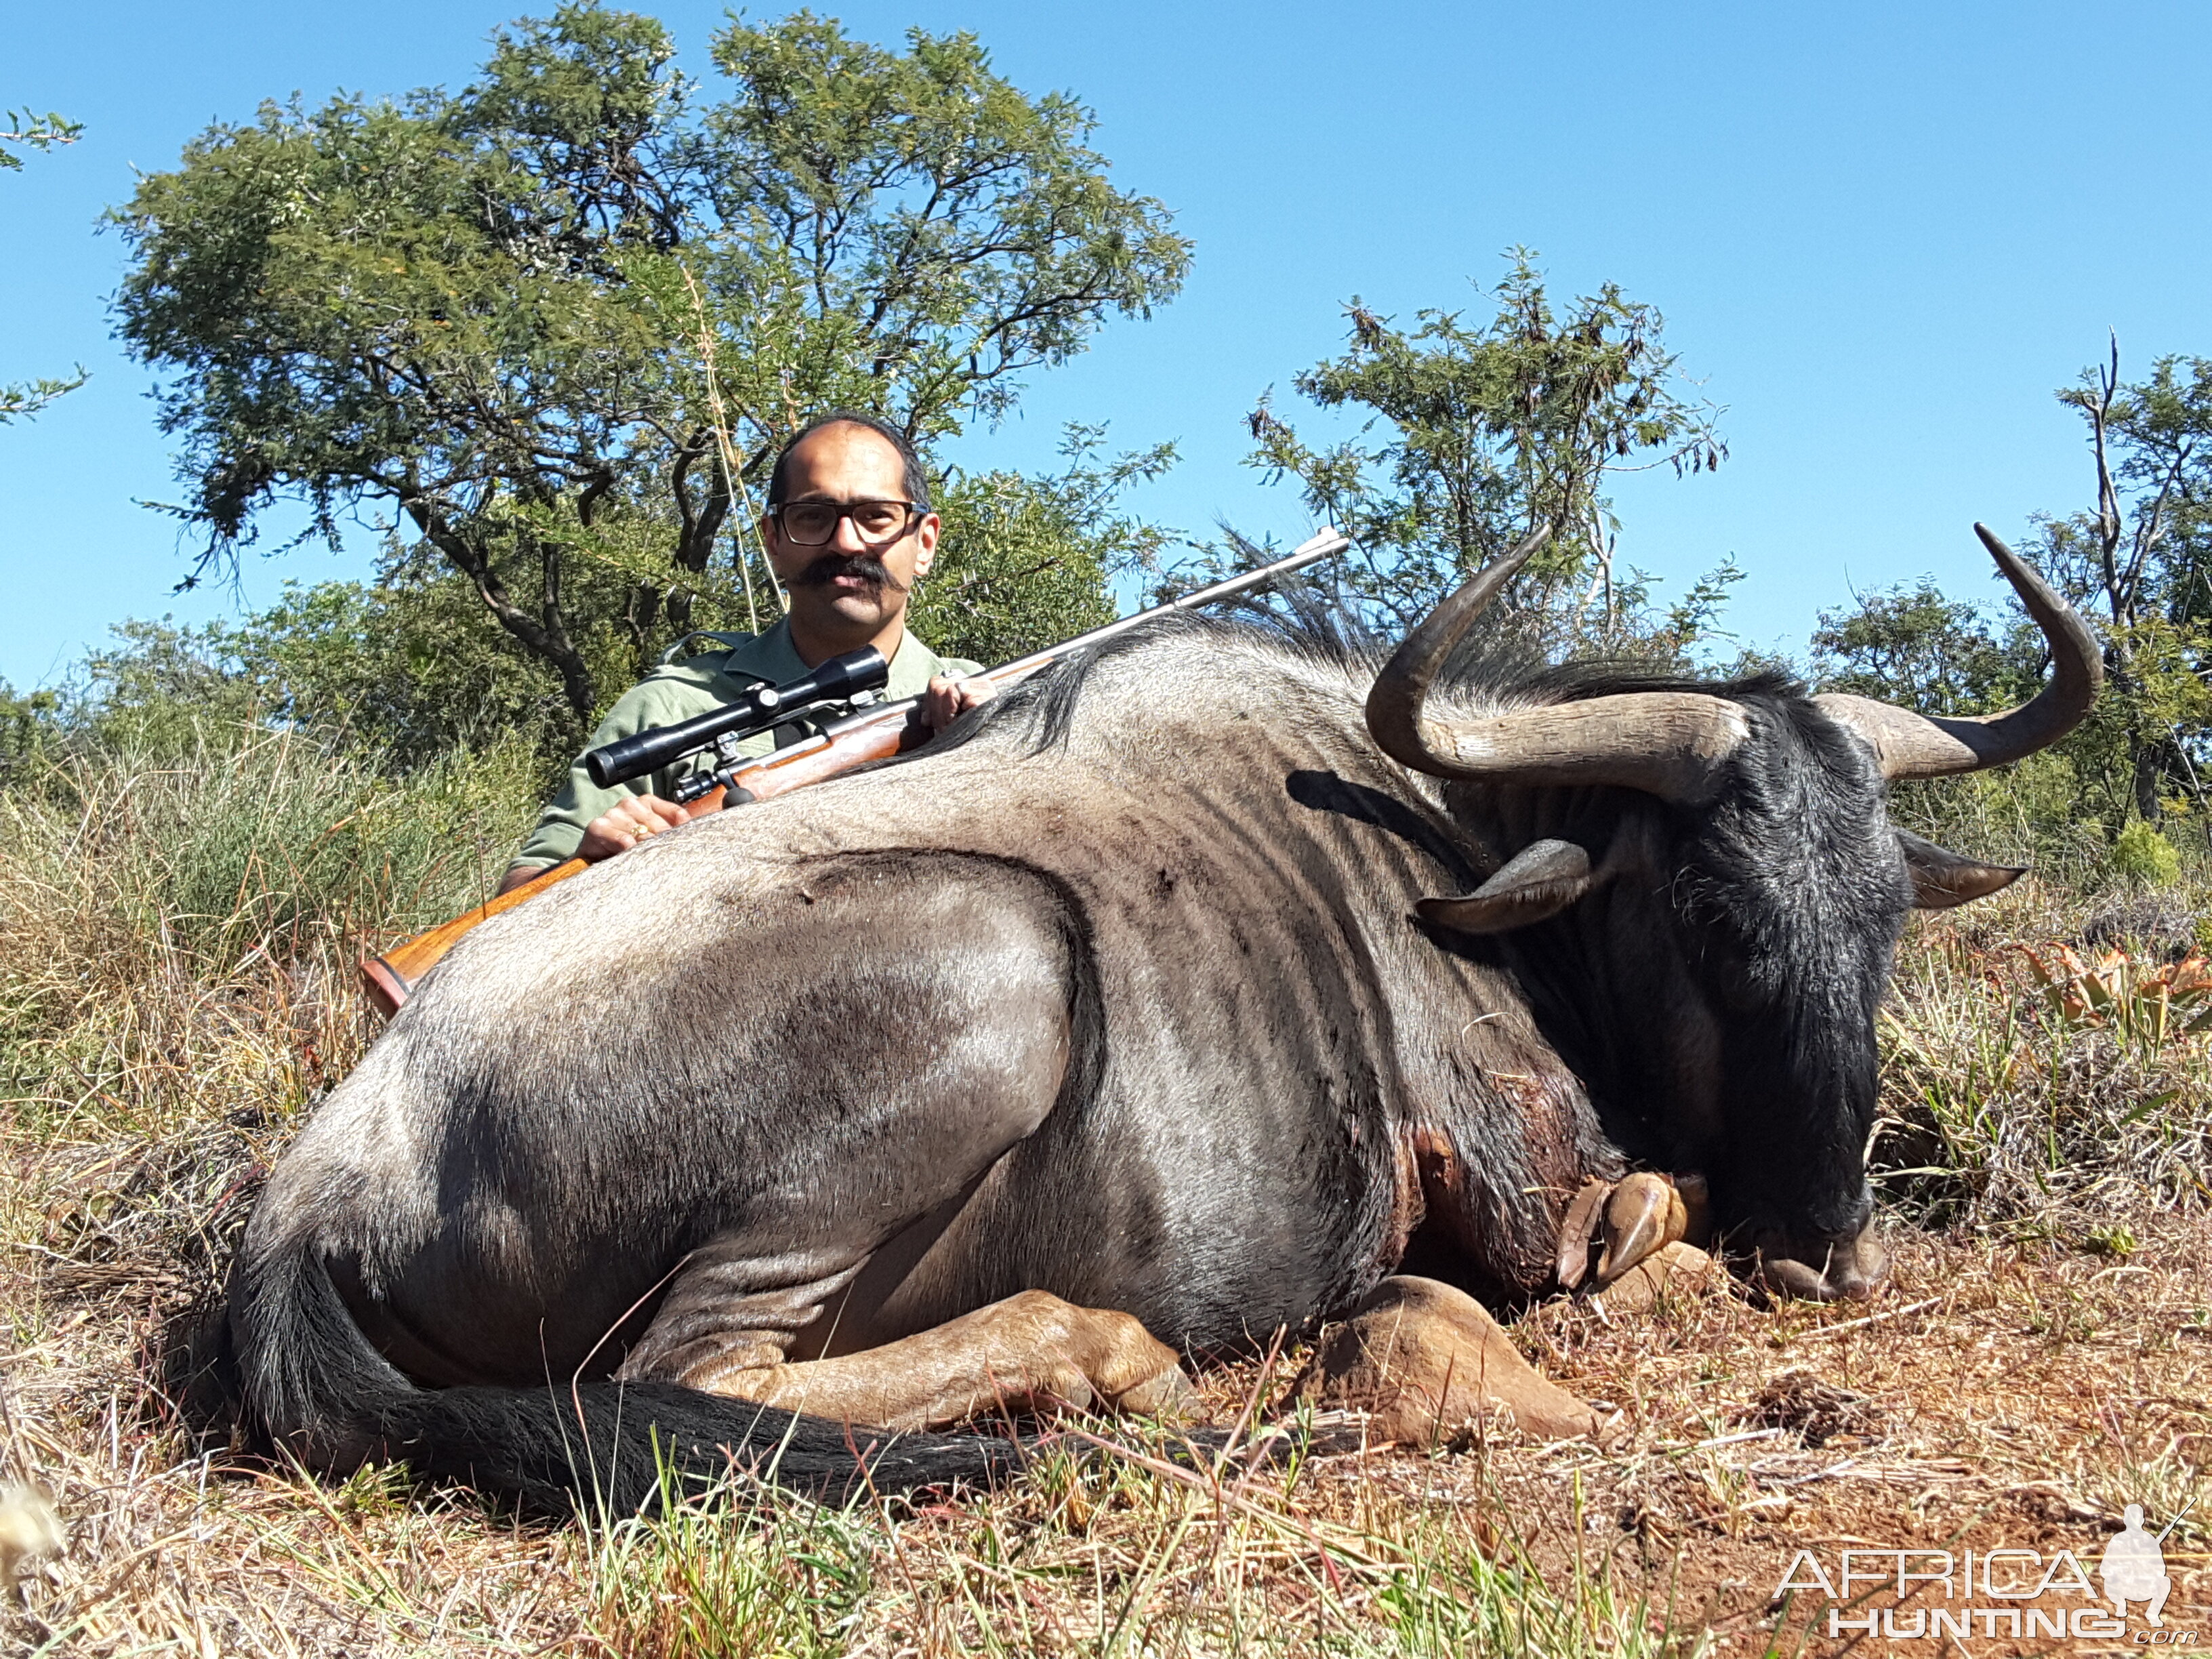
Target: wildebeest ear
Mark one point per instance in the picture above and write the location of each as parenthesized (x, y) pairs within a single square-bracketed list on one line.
[(1541, 880), (1940, 878)]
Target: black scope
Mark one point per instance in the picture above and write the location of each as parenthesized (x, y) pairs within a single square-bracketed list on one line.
[(759, 708)]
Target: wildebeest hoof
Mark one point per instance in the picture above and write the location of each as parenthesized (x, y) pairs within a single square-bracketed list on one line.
[(1424, 1360), (1852, 1271), (1673, 1270), (1628, 1222), (1643, 1217), (1104, 1360), (1577, 1230), (1168, 1394)]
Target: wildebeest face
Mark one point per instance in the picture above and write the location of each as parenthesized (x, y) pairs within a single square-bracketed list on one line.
[(1712, 972), (1758, 934), (1722, 894), (1787, 902)]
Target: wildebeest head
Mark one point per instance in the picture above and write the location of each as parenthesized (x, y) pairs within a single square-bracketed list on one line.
[(1703, 884)]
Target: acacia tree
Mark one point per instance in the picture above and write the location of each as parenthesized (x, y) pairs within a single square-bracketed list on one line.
[(1915, 645), (2138, 564), (556, 323), (2141, 565), (1475, 435)]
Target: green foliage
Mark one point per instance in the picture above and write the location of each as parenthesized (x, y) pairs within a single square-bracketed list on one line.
[(25, 398), (557, 322), (409, 666), (26, 131), (2141, 855), (938, 233), (30, 726), (397, 675), (1914, 646), (1487, 432), (2139, 566), (2140, 563), (251, 838), (701, 1575), (1024, 562), (1678, 635)]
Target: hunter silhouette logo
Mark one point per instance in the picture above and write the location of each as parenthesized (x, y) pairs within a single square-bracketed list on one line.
[(1988, 1593), (2135, 1567)]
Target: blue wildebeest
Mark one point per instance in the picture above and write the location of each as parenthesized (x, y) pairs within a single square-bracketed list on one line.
[(1129, 1027)]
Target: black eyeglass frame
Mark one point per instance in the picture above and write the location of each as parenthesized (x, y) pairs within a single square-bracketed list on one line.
[(915, 512)]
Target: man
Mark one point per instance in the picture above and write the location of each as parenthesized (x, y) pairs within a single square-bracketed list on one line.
[(849, 532)]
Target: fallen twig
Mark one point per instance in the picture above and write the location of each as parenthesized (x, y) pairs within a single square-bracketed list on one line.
[(1871, 1319)]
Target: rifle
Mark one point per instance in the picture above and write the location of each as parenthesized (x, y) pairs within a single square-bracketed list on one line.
[(871, 733)]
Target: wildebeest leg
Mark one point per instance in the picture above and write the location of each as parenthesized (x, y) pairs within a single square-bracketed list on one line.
[(1424, 1358), (969, 967), (1029, 1351)]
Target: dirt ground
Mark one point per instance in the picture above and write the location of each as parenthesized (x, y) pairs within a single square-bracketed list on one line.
[(1995, 1397)]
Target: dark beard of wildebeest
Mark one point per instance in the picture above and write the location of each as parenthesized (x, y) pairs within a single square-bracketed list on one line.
[(1122, 996)]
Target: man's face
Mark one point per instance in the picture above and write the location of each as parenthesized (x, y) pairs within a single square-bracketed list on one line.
[(846, 586)]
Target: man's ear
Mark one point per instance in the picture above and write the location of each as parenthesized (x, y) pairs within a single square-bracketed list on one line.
[(1942, 878), (773, 550), (925, 543), (1541, 880)]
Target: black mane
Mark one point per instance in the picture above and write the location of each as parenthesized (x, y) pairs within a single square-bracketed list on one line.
[(1317, 629)]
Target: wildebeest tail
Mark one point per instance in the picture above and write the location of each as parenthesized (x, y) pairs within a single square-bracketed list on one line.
[(311, 1380)]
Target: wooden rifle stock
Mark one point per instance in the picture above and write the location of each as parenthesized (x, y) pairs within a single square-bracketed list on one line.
[(870, 734), (390, 978)]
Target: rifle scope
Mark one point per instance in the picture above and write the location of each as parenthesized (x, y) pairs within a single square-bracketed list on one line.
[(759, 708)]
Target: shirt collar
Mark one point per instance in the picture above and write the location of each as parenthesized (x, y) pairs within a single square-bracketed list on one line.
[(772, 657)]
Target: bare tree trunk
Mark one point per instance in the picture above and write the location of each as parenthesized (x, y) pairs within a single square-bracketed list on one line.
[(545, 637), (2119, 589), (2147, 773), (700, 522)]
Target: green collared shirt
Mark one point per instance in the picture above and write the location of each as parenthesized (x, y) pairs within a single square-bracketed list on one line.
[(678, 691)]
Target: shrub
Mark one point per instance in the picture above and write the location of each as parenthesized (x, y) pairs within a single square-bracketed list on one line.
[(2141, 855)]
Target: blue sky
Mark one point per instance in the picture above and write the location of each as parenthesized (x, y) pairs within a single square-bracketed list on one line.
[(1880, 234)]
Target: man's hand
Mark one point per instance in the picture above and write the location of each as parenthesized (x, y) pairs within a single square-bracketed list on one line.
[(947, 700), (623, 826)]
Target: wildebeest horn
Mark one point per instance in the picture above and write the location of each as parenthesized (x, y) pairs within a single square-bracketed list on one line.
[(1669, 744), (1911, 745)]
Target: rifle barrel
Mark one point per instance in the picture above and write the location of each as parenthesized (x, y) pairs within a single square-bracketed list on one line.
[(1328, 543), (1325, 544)]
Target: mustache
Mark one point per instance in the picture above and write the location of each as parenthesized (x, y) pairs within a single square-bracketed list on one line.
[(830, 566)]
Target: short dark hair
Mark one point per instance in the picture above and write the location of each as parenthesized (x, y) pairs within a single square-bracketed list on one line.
[(917, 478)]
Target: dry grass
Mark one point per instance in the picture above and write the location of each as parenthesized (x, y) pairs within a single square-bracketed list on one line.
[(2045, 1355)]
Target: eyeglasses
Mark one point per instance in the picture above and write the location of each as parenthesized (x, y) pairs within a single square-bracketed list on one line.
[(878, 524)]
